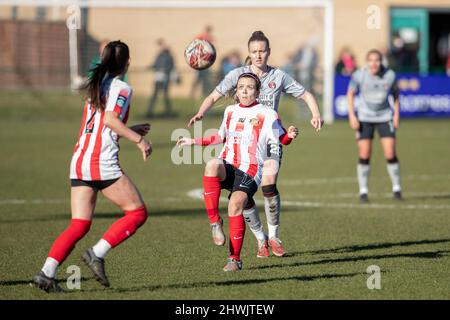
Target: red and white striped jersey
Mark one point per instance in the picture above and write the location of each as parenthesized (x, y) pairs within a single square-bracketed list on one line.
[(247, 131), (96, 154)]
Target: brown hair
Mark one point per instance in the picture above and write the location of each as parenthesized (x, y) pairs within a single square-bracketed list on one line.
[(257, 36), (374, 51), (250, 75), (114, 60)]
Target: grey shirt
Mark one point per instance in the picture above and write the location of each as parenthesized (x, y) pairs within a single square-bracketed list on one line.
[(273, 83), (374, 92)]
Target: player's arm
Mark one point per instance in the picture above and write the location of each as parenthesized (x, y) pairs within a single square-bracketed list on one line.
[(205, 106), (396, 94), (351, 93), (353, 120), (217, 138), (142, 128), (294, 88), (112, 121), (289, 135), (311, 102), (204, 141)]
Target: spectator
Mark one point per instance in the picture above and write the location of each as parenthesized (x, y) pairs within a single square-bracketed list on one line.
[(346, 64), (305, 62), (163, 67), (230, 62)]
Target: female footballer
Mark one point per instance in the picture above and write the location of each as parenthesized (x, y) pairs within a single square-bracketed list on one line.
[(95, 167), (374, 83), (247, 129), (273, 82)]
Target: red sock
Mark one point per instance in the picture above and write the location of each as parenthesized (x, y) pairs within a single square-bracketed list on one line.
[(126, 226), (66, 241), (211, 194), (237, 231)]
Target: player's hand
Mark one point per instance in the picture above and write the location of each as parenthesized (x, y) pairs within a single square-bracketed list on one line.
[(292, 132), (353, 121), (145, 147), (317, 122), (142, 128), (195, 118), (396, 121), (183, 141)]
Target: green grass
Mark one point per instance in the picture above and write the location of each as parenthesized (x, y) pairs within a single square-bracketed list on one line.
[(331, 238)]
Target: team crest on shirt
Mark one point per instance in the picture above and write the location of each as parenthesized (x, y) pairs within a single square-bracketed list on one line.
[(272, 85), (255, 122)]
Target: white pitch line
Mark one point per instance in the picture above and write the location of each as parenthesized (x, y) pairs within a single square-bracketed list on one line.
[(353, 195), (198, 194), (336, 180)]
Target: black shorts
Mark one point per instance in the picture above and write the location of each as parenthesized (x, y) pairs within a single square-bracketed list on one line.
[(237, 180), (367, 130), (97, 185)]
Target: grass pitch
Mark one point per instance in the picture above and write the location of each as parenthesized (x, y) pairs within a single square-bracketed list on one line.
[(330, 237)]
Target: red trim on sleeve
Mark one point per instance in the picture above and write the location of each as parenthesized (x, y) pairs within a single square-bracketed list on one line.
[(214, 139), (284, 139)]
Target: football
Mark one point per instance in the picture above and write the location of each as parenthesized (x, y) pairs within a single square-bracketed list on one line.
[(200, 54)]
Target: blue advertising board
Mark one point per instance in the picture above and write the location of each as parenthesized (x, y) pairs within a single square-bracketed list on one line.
[(420, 96)]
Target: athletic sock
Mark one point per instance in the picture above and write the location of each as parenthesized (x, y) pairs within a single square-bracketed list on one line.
[(102, 248), (251, 216), (394, 172), (363, 170), (66, 241), (50, 267), (211, 194), (273, 231), (126, 226), (236, 231)]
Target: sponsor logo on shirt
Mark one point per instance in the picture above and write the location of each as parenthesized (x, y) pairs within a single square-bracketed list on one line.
[(255, 122)]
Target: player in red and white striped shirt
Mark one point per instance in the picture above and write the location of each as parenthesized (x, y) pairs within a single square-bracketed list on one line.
[(247, 128), (95, 167)]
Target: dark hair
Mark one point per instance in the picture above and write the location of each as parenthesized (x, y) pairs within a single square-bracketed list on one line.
[(257, 36), (250, 75), (114, 60), (375, 51), (253, 76)]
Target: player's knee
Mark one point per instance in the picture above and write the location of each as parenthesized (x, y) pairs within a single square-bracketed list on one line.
[(365, 161), (235, 207), (250, 204), (392, 160), (138, 215), (270, 190), (212, 168)]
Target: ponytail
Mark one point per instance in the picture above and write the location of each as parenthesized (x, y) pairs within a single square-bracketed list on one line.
[(114, 61)]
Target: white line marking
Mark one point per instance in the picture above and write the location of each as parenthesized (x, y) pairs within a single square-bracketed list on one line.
[(423, 177), (198, 194)]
